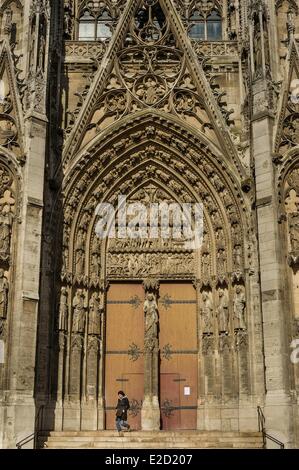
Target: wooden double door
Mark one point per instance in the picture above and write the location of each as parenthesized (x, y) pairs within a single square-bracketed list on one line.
[(178, 355)]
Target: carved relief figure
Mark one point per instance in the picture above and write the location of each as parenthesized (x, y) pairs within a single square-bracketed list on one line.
[(223, 312), (239, 308), (95, 315), (63, 310), (205, 264), (3, 294), (207, 312), (237, 256), (221, 260), (79, 312), (257, 41), (79, 262), (80, 252), (95, 266), (150, 309)]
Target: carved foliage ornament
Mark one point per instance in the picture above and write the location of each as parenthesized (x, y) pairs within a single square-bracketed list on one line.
[(290, 127), (8, 126)]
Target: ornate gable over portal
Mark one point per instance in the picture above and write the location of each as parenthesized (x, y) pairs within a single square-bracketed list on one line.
[(149, 63)]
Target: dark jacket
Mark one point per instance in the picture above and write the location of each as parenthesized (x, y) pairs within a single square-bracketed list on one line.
[(122, 407)]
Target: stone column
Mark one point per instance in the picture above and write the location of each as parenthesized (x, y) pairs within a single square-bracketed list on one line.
[(150, 412), (92, 414), (272, 282)]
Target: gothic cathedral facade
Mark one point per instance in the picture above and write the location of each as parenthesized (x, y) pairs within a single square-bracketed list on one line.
[(158, 100)]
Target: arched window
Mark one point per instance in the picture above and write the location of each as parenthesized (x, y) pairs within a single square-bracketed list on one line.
[(95, 28), (205, 28), (214, 26), (87, 27), (103, 29), (197, 30)]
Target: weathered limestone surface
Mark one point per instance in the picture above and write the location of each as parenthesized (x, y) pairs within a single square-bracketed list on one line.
[(131, 102)]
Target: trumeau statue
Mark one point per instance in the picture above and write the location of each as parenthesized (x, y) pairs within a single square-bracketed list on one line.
[(150, 309)]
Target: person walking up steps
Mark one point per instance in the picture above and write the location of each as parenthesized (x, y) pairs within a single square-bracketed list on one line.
[(122, 408)]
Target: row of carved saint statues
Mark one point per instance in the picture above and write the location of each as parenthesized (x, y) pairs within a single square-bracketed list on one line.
[(88, 314)]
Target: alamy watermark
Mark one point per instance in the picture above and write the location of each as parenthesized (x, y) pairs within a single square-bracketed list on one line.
[(166, 220)]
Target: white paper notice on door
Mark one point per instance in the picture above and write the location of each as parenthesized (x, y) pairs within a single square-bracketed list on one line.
[(187, 391)]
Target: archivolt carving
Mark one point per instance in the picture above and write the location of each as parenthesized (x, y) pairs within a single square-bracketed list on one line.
[(135, 258), (289, 220)]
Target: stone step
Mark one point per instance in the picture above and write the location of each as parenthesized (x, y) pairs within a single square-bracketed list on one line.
[(153, 440), (153, 445), (148, 439), (156, 434)]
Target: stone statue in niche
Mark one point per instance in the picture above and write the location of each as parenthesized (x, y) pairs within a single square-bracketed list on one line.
[(94, 267), (257, 42), (260, 31), (79, 263), (79, 312), (6, 217), (80, 252), (95, 315), (65, 259), (150, 309), (294, 231), (41, 46), (239, 308), (68, 24), (237, 255), (63, 310), (221, 260), (236, 232), (207, 312), (223, 312), (206, 264), (3, 294), (32, 47)]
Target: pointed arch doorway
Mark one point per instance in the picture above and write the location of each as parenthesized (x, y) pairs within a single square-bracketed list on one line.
[(126, 367)]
